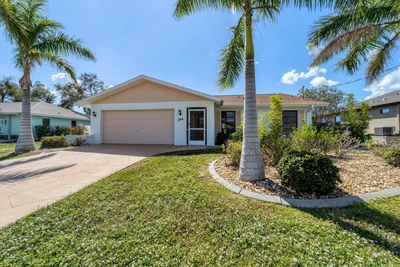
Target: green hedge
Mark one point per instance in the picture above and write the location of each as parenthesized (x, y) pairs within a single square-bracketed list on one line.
[(53, 142)]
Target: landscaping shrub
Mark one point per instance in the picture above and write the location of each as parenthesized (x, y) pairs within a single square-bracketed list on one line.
[(79, 130), (42, 131), (61, 130), (274, 144), (392, 156), (309, 173), (343, 142), (309, 139), (53, 142), (234, 150)]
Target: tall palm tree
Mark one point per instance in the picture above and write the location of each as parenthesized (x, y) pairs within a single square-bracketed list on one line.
[(37, 39), (239, 52), (365, 31)]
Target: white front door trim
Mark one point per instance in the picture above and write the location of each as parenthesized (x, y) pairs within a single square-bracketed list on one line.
[(197, 128)]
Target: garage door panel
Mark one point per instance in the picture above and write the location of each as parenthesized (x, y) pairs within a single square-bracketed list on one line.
[(138, 127)]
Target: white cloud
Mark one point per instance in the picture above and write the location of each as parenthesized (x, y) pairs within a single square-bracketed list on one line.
[(313, 50), (59, 76), (321, 80), (389, 83), (293, 76)]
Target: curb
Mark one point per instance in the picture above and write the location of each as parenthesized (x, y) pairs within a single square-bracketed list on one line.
[(339, 202)]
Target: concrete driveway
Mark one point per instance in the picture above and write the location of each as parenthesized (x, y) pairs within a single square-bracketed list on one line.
[(29, 183)]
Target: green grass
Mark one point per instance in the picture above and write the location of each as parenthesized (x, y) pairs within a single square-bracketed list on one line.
[(7, 151), (166, 210)]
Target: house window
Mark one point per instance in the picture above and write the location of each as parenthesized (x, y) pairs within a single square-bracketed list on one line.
[(385, 110), (228, 122), (73, 124), (289, 121), (46, 122), (384, 131)]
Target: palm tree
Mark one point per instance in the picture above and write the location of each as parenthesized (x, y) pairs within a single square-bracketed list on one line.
[(239, 52), (366, 31), (37, 39)]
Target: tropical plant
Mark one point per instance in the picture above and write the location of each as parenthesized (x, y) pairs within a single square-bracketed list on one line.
[(234, 150), (37, 39), (274, 145), (367, 31), (356, 119), (238, 53), (8, 89)]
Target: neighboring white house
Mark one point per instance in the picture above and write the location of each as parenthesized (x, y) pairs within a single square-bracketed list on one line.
[(145, 110)]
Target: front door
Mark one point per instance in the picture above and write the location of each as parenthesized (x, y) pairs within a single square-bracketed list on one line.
[(197, 126)]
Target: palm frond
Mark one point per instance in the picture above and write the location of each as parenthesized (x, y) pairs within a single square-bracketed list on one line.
[(60, 63), (343, 41), (380, 58), (187, 7), (232, 57), (60, 43)]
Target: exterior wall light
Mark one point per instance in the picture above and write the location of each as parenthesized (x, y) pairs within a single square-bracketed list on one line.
[(94, 113)]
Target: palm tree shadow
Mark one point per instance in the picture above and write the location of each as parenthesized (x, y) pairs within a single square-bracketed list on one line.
[(366, 222)]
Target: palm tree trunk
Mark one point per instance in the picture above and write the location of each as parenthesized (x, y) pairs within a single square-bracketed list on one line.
[(251, 162), (25, 142)]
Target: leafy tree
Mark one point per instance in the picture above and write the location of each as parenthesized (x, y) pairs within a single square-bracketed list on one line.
[(89, 84), (367, 31), (8, 89), (355, 118), (41, 93), (330, 94), (37, 39)]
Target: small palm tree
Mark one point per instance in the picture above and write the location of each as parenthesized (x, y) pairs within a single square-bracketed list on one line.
[(239, 52), (37, 39), (367, 31)]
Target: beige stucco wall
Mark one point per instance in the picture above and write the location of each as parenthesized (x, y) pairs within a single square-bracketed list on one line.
[(149, 92), (390, 119)]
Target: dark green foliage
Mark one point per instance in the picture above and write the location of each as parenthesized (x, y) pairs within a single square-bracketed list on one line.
[(330, 94), (356, 120), (42, 131), (308, 173), (53, 142), (392, 156)]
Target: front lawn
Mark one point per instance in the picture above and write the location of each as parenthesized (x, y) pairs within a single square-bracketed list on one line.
[(7, 151), (166, 210)]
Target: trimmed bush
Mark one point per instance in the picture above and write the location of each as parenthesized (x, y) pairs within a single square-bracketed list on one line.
[(234, 151), (61, 130), (53, 142), (79, 130), (392, 156), (42, 131), (309, 173)]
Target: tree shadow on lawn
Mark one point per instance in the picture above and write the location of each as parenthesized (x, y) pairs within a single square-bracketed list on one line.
[(365, 221), (192, 152)]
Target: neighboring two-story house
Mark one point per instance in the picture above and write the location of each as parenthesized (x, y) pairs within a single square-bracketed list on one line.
[(385, 116)]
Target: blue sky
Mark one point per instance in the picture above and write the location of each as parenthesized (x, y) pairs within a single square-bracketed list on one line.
[(130, 38)]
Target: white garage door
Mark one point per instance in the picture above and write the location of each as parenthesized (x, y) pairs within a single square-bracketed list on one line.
[(138, 127)]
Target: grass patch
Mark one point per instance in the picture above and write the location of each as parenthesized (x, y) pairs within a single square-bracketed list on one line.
[(166, 210), (7, 151)]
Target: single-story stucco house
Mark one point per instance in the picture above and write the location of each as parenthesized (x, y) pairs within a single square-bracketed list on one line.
[(145, 110), (42, 114)]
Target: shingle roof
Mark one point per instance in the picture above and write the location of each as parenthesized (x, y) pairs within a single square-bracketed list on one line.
[(389, 98), (264, 99), (42, 109)]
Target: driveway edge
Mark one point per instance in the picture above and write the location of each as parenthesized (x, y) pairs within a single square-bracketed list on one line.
[(339, 202)]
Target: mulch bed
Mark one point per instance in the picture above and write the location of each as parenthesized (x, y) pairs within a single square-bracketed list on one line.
[(360, 171)]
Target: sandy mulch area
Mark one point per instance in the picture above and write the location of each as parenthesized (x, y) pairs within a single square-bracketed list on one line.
[(360, 171)]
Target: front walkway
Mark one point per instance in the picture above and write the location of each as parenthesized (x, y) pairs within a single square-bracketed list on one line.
[(30, 183)]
